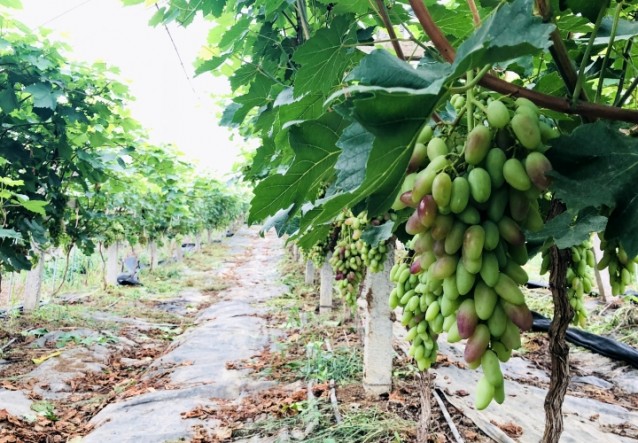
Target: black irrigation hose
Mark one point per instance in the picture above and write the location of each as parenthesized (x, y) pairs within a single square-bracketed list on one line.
[(595, 343)]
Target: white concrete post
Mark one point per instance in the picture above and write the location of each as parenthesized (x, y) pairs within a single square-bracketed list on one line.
[(153, 256), (602, 277), (198, 241), (327, 287), (112, 264), (177, 249), (33, 285), (377, 340), (310, 272)]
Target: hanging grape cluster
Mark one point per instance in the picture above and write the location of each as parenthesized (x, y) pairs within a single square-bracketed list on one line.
[(413, 295), (347, 261), (621, 268), (579, 277), (373, 256), (471, 202)]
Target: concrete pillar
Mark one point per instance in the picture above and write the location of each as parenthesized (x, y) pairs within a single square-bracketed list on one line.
[(33, 285), (177, 249), (377, 340), (112, 268), (327, 287), (602, 277), (153, 255), (310, 272)]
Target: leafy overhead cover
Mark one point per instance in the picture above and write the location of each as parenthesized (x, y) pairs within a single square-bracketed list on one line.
[(596, 166), (512, 32)]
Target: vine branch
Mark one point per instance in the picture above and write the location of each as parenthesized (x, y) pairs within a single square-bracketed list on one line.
[(589, 110), (383, 13)]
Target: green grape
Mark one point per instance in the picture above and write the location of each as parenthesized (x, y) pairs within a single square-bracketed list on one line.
[(622, 269), (464, 273)]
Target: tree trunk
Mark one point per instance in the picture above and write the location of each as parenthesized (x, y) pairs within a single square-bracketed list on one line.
[(558, 348), (33, 285), (327, 284), (377, 340)]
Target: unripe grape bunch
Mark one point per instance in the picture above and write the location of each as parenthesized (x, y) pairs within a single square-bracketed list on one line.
[(471, 202), (346, 261), (579, 277), (621, 268)]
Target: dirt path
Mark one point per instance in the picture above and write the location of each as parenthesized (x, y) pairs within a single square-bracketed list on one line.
[(195, 366), (126, 380)]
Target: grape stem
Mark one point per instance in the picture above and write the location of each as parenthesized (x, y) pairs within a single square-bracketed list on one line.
[(583, 64), (383, 13), (471, 83), (590, 110), (480, 105), (612, 37), (469, 101)]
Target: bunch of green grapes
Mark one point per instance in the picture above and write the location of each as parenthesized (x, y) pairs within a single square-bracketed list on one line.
[(621, 268), (347, 262), (470, 208), (579, 277), (317, 254), (424, 326), (374, 256)]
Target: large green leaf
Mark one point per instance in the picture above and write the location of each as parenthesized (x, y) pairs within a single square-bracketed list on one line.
[(513, 31), (569, 230), (314, 145), (586, 8), (393, 116), (597, 167), (325, 57), (356, 144), (43, 95)]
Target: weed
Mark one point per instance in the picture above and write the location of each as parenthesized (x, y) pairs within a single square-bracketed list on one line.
[(45, 409)]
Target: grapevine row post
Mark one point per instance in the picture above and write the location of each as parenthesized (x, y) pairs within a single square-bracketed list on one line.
[(153, 257), (309, 276), (33, 285), (377, 341), (326, 288), (111, 267)]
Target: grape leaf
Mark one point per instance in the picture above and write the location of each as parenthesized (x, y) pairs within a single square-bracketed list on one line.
[(513, 31), (43, 96), (325, 57), (8, 100), (456, 23), (296, 110), (393, 116), (347, 6), (374, 235), (596, 166), (36, 206), (587, 8), (356, 144), (314, 145), (625, 30), (281, 222), (569, 230)]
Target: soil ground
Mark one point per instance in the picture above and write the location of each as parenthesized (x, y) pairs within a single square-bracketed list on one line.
[(228, 345)]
